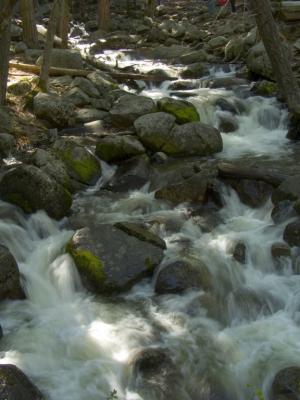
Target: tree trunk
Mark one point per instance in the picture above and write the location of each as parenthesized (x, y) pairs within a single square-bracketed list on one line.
[(30, 34), (45, 67), (278, 53), (5, 22), (103, 14), (64, 24), (151, 6)]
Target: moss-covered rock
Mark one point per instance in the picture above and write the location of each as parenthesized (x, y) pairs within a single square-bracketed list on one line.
[(265, 88), (110, 260), (182, 110), (81, 164), (117, 148), (31, 189)]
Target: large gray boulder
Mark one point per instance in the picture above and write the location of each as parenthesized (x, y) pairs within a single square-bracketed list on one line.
[(179, 276), (86, 86), (115, 148), (129, 107), (81, 165), (194, 56), (59, 111), (110, 259), (102, 82), (15, 385), (183, 110), (289, 189), (10, 287), (194, 138), (258, 61), (31, 189), (64, 58)]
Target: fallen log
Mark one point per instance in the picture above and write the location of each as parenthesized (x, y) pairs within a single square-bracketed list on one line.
[(232, 171), (54, 71)]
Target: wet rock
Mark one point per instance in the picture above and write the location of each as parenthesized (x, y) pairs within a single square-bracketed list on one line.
[(265, 88), (286, 384), (183, 85), (280, 249), (14, 384), (268, 118), (179, 276), (109, 260), (227, 124), (59, 111), (129, 107), (190, 190), (64, 58), (291, 233), (182, 110), (86, 86), (282, 211), (228, 83), (194, 57), (294, 128), (168, 52), (7, 144), (52, 166), (115, 148), (226, 104), (155, 375), (85, 115), (31, 189), (193, 71), (239, 252), (132, 174), (152, 127), (289, 189), (142, 233), (10, 287), (80, 163), (258, 61), (253, 193)]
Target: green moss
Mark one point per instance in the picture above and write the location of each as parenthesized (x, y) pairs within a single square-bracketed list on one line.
[(183, 111), (88, 265), (266, 88), (149, 264), (18, 200), (85, 168), (108, 151)]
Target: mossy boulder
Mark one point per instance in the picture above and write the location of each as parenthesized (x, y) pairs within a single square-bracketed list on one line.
[(182, 110), (15, 385), (265, 88), (193, 71), (110, 260), (115, 148), (80, 163), (31, 189), (10, 287)]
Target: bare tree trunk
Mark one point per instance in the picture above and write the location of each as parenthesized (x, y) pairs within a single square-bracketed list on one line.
[(45, 67), (5, 22), (30, 34), (278, 53), (151, 6), (64, 24), (103, 14)]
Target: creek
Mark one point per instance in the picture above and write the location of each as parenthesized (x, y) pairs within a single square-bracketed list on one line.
[(76, 346)]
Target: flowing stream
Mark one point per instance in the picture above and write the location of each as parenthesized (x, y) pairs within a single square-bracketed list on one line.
[(76, 346)]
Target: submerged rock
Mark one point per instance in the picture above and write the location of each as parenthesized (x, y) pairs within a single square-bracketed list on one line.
[(15, 385), (129, 107), (80, 163), (182, 275), (182, 110), (289, 189), (109, 260), (115, 148), (253, 193), (31, 189), (291, 233), (10, 287)]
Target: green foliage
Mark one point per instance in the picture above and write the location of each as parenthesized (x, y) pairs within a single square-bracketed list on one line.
[(113, 395)]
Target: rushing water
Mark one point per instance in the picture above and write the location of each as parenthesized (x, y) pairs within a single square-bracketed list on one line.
[(77, 346)]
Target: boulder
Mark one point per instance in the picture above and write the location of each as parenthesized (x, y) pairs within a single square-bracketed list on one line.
[(182, 110), (109, 260), (85, 115), (10, 287), (15, 385), (77, 97), (192, 189), (253, 193), (280, 249), (59, 111), (291, 233), (179, 276), (102, 82), (193, 71), (194, 57), (7, 144), (289, 189), (265, 88), (227, 123), (285, 385), (234, 49), (129, 107), (282, 211), (294, 128), (86, 86), (258, 61), (141, 232), (239, 252), (80, 163), (115, 148), (64, 58), (31, 189), (218, 41)]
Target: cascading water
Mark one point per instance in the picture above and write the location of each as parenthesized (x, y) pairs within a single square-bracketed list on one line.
[(76, 346)]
